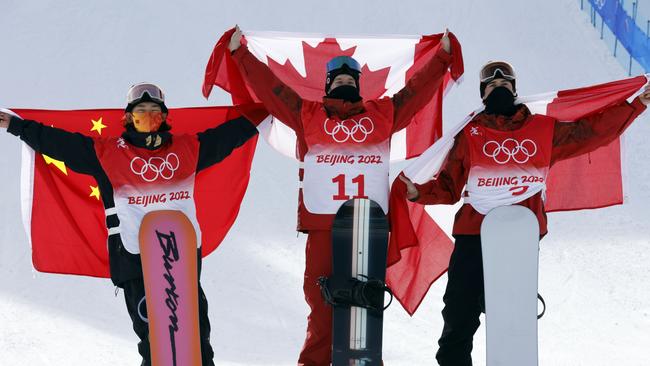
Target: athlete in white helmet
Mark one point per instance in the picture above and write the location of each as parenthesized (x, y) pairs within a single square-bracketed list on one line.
[(147, 135)]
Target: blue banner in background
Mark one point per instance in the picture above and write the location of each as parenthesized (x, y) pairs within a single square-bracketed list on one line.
[(625, 29), (607, 10)]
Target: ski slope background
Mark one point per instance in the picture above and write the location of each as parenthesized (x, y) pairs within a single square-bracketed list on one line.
[(595, 265)]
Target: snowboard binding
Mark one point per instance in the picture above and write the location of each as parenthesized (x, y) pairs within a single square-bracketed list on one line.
[(346, 292)]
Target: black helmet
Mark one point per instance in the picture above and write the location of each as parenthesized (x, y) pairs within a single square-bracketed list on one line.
[(342, 65)]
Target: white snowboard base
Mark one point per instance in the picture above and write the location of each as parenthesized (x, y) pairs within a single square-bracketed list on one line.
[(510, 247)]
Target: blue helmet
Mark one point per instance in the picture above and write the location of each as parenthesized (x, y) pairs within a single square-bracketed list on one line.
[(342, 65)]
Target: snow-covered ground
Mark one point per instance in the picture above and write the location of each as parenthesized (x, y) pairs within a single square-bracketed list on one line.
[(64, 54)]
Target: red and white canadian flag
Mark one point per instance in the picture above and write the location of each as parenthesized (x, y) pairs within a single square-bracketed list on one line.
[(299, 60), (419, 250)]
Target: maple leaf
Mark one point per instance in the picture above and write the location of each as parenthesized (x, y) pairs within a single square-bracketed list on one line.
[(312, 87)]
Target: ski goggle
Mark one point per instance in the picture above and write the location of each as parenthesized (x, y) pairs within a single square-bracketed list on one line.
[(489, 71), (137, 92), (340, 61)]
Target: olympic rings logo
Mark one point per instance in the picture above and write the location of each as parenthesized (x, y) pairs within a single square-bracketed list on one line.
[(342, 131), (155, 167), (519, 152)]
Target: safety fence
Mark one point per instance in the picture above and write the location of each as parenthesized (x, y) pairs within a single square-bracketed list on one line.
[(620, 28)]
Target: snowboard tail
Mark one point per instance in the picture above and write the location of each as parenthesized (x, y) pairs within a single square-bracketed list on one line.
[(168, 250)]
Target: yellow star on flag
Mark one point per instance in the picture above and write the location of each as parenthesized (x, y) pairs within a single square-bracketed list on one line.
[(94, 192), (57, 163), (97, 125)]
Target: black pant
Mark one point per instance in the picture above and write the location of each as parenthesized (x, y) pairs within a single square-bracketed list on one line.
[(137, 307), (464, 301)]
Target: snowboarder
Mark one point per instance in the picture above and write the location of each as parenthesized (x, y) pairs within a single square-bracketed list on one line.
[(328, 133), (534, 143), (147, 132)]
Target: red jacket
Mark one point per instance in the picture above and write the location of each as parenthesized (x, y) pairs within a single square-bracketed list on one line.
[(569, 140), (285, 104)]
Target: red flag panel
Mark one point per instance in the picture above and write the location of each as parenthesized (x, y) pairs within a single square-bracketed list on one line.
[(68, 230)]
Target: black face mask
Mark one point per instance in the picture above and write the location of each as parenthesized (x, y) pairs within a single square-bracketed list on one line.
[(348, 93), (501, 101)]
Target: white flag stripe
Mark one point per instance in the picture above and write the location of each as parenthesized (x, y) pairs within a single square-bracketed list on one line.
[(398, 146), (377, 51), (538, 104), (396, 53), (26, 183), (280, 136), (428, 164)]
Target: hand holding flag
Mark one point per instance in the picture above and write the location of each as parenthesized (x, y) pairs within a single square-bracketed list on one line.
[(235, 39), (63, 212), (411, 191), (4, 120), (644, 97), (419, 251), (445, 42), (299, 60)]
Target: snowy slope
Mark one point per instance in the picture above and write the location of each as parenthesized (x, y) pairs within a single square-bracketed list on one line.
[(595, 265)]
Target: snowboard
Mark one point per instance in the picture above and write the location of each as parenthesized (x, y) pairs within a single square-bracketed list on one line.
[(359, 246), (510, 247), (169, 265)]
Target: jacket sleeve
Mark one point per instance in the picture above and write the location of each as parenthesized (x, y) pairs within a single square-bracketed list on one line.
[(215, 144), (419, 89), (74, 149), (447, 187), (282, 101), (571, 139)]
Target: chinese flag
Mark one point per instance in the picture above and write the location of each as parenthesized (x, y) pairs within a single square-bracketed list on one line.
[(62, 210)]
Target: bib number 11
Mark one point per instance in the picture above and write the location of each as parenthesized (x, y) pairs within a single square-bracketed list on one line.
[(340, 181)]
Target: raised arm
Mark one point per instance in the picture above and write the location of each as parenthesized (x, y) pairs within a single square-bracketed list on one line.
[(75, 149), (215, 144), (282, 101), (422, 86), (571, 139), (447, 187)]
